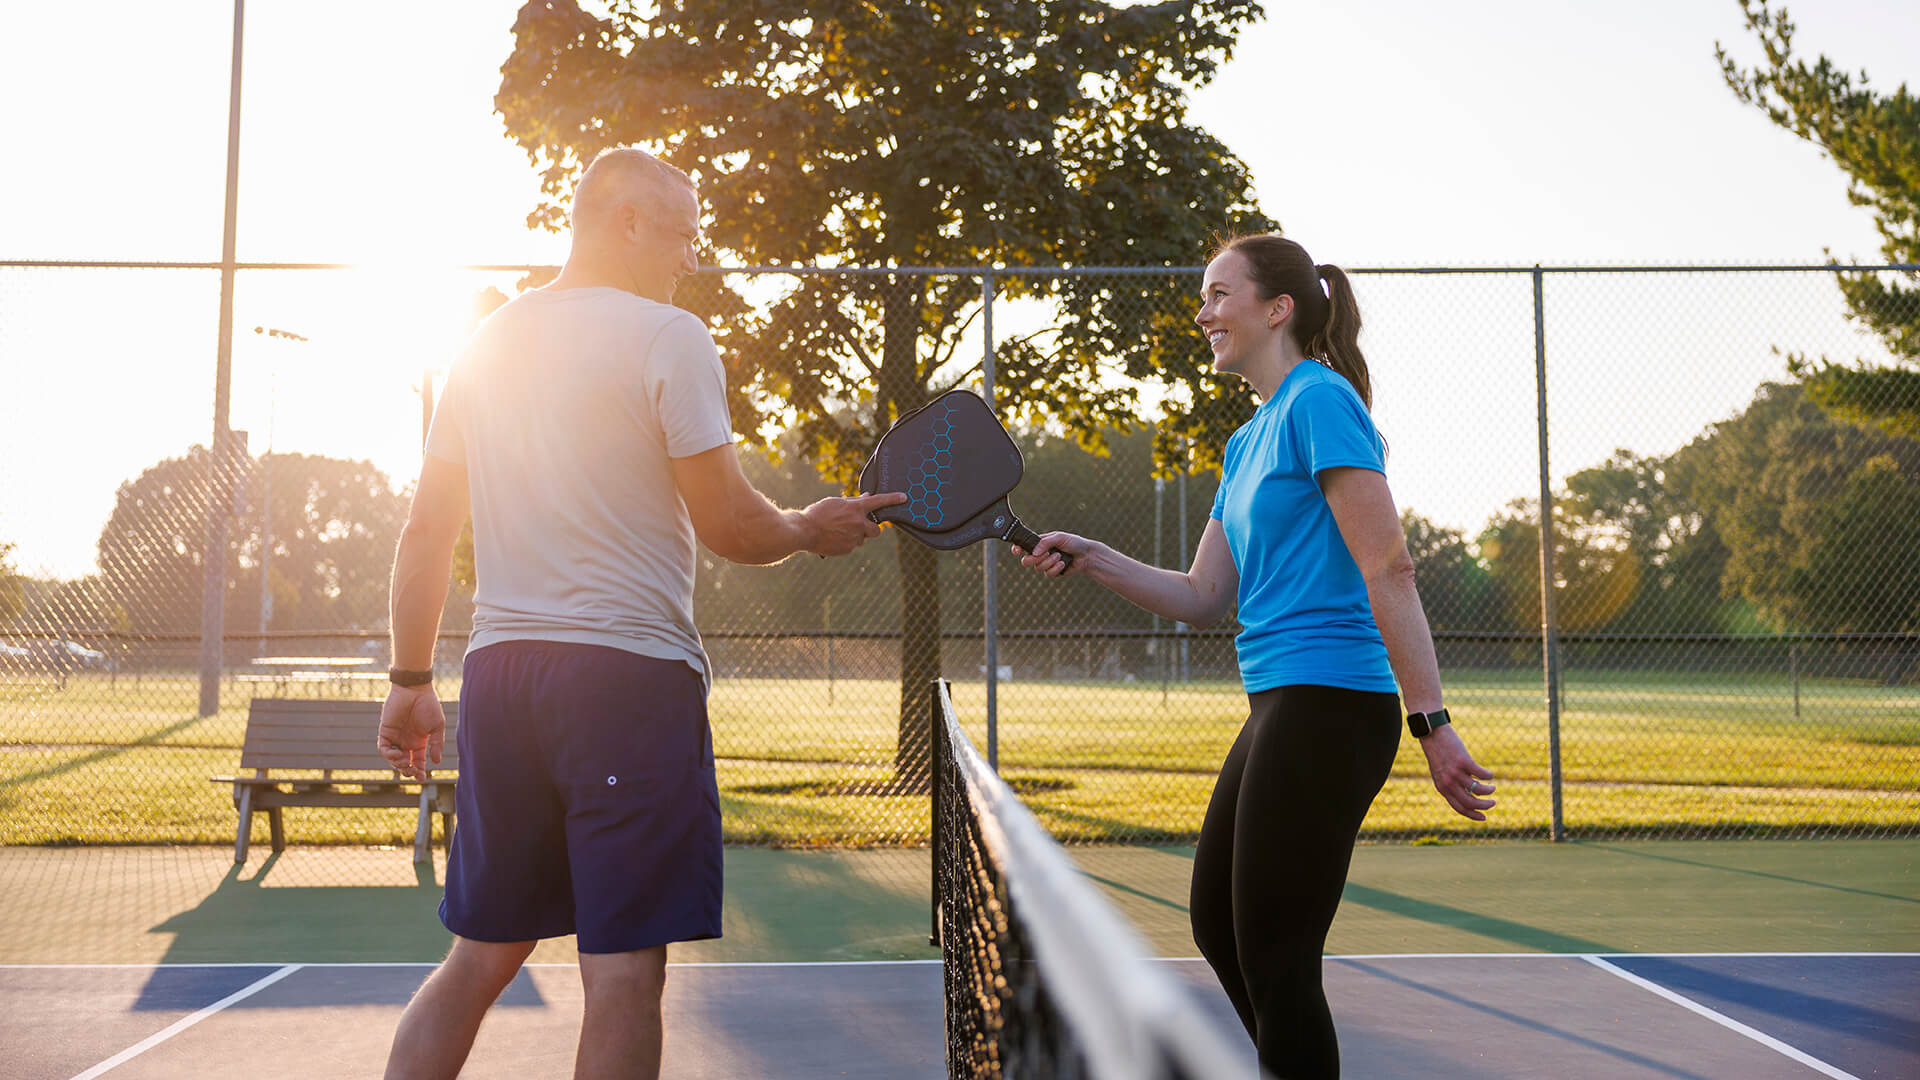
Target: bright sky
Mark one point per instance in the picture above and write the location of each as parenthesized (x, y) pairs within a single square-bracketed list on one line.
[(1390, 133)]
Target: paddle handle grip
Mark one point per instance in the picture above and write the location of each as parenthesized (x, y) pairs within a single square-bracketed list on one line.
[(1022, 536)]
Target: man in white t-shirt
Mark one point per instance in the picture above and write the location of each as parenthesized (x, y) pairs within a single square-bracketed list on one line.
[(586, 429)]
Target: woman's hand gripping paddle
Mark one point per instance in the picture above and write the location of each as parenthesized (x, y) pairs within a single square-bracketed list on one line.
[(957, 465)]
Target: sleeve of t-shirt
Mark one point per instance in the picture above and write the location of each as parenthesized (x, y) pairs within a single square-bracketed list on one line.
[(444, 438), (688, 388), (1332, 430)]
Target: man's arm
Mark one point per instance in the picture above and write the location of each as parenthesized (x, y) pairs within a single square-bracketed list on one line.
[(739, 524), (424, 563), (412, 723)]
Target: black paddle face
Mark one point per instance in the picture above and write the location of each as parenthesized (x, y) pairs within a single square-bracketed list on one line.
[(953, 460), (957, 465)]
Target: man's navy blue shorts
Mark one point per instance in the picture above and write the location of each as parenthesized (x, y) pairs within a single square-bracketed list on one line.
[(586, 803)]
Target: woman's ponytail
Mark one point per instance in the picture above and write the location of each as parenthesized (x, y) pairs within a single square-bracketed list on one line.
[(1337, 342)]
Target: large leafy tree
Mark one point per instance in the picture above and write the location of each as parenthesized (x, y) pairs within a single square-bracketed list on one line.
[(1013, 133), (1875, 139), (1821, 519), (333, 528)]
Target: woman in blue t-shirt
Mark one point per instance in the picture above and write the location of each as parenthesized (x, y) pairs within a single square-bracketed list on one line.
[(1305, 538)]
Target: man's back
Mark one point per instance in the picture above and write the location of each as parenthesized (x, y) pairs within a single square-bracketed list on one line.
[(566, 410)]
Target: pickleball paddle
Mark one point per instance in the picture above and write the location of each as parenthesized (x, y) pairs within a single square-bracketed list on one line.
[(957, 465)]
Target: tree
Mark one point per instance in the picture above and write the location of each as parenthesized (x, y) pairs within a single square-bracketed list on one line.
[(1875, 139), (1013, 133), (12, 593), (1455, 589), (1818, 516), (334, 525), (1596, 574), (1630, 501)]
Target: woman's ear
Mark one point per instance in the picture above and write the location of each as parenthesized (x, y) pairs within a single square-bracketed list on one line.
[(1281, 308)]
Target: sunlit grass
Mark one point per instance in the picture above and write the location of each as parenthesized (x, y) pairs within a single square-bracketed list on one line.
[(803, 761)]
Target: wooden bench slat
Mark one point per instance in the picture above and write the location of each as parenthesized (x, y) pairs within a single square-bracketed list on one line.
[(307, 735)]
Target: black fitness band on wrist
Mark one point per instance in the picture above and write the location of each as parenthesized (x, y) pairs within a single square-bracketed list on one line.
[(403, 677)]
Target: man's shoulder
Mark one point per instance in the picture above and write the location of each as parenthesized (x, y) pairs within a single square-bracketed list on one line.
[(595, 303)]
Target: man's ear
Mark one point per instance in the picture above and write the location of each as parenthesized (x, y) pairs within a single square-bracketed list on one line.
[(627, 217)]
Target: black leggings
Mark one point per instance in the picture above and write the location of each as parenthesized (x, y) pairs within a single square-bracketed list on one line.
[(1273, 857)]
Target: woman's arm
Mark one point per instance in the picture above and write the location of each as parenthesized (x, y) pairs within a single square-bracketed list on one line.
[(1363, 509), (1200, 597)]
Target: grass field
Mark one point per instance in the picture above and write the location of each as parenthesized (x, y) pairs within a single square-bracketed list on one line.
[(801, 762)]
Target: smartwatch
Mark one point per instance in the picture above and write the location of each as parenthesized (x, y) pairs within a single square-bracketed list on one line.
[(403, 677), (1425, 724)]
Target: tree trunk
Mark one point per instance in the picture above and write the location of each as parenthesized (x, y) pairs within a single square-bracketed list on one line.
[(919, 661), (902, 389)]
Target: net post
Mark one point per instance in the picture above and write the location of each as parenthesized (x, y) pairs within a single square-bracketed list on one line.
[(937, 744), (1549, 617)]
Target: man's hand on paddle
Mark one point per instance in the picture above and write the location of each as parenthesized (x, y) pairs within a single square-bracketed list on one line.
[(840, 525), (413, 728)]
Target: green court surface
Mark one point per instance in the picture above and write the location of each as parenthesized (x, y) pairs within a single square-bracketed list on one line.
[(330, 904)]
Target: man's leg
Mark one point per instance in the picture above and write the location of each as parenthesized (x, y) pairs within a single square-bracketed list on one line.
[(438, 1027), (621, 1034)]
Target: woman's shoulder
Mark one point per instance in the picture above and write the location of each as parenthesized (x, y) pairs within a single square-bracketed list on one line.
[(1320, 387)]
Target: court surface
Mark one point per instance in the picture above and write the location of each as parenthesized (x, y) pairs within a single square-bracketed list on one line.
[(1661, 959), (1458, 1015)]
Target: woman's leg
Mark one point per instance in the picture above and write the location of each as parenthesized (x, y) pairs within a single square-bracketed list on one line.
[(1316, 758), (1211, 901)]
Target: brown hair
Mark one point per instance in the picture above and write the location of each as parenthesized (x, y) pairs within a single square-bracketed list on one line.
[(1325, 323)]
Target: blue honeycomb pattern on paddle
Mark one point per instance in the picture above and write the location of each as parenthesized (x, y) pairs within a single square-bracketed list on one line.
[(928, 480)]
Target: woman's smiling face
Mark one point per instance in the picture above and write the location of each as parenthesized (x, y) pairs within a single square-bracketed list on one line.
[(1239, 324)]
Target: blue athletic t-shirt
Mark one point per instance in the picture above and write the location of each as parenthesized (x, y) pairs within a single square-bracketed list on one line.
[(1303, 603)]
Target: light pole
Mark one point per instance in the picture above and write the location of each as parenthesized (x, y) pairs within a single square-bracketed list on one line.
[(213, 585), (266, 490)]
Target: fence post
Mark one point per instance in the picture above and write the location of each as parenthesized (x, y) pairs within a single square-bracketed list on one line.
[(937, 785), (1793, 665), (1185, 674), (1549, 617), (213, 590), (1159, 643), (990, 557)]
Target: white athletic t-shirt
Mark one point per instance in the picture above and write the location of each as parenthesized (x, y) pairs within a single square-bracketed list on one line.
[(565, 408)]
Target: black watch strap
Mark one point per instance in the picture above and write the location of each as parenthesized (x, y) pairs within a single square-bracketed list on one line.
[(403, 677), (1423, 724)]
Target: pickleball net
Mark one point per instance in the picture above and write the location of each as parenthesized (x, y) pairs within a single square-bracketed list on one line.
[(1044, 979)]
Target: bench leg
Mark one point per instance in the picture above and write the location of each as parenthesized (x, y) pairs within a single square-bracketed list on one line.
[(423, 828), (279, 833), (244, 798)]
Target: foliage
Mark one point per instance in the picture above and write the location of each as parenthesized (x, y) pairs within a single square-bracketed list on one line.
[(1014, 133), (11, 593), (1456, 589), (331, 526), (1875, 139), (1818, 517)]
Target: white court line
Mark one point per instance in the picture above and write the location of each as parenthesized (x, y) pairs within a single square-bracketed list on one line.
[(1724, 1020), (877, 963), (185, 1022)]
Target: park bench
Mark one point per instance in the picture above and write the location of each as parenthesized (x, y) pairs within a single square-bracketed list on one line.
[(326, 738)]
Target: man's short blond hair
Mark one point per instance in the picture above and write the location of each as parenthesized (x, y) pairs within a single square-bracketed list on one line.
[(622, 174)]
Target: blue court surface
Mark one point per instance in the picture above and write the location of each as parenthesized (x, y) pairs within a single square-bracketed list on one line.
[(1428, 1016)]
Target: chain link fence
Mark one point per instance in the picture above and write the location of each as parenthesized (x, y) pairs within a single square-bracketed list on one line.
[(1730, 644)]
